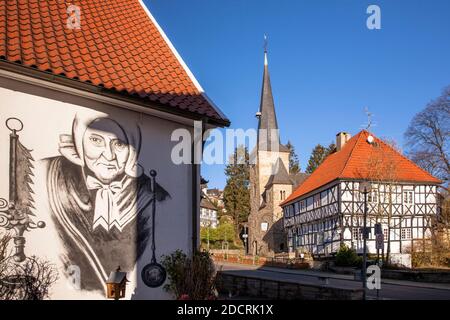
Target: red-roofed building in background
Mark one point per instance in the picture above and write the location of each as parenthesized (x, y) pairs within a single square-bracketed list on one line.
[(326, 210), (98, 97)]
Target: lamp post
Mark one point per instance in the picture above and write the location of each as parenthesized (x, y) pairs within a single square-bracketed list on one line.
[(207, 235), (245, 238), (365, 187)]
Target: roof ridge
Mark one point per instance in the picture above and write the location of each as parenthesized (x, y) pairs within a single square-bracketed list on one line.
[(407, 159), (208, 199)]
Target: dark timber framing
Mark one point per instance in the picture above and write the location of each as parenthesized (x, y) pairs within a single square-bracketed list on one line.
[(320, 221)]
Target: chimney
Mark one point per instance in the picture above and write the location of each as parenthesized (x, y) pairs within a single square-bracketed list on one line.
[(341, 140)]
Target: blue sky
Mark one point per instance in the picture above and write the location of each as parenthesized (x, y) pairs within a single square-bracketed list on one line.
[(325, 65)]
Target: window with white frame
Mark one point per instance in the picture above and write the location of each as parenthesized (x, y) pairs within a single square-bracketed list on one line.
[(302, 205), (406, 234), (408, 197), (317, 201), (357, 234), (372, 196)]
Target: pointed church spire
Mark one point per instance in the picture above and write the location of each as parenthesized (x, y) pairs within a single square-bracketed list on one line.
[(265, 51), (268, 139)]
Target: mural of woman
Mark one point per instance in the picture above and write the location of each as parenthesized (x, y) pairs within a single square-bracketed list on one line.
[(98, 195)]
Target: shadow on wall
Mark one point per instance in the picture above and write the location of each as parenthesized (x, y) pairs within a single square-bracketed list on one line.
[(101, 202), (100, 198), (275, 238)]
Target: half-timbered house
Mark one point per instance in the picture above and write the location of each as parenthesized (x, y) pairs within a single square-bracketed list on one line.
[(327, 209)]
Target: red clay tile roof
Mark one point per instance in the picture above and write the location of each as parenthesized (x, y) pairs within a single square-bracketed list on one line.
[(359, 159), (119, 47)]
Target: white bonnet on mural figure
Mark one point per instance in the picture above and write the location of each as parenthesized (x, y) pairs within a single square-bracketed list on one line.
[(71, 145)]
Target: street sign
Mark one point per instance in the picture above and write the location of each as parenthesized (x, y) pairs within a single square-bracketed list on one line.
[(378, 229), (380, 241)]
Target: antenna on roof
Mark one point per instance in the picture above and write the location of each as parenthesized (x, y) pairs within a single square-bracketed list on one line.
[(369, 114), (370, 123), (369, 118)]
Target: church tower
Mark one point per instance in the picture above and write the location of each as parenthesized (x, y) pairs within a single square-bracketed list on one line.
[(270, 180)]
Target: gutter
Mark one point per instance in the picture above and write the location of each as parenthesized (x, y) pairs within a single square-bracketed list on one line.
[(121, 99), (196, 188)]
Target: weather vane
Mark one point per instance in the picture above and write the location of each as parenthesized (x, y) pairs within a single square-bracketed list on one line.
[(265, 43)]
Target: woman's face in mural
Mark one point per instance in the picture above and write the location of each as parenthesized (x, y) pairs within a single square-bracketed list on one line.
[(105, 149)]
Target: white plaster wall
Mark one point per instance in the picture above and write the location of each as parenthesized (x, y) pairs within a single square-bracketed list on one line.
[(44, 120)]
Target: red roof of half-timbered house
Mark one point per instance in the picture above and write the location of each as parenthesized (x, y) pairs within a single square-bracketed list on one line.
[(118, 47), (359, 159)]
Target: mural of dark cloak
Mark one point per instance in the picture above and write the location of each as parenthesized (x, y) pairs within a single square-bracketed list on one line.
[(100, 198)]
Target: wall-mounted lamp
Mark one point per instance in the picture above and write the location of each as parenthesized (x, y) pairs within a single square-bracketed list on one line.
[(116, 284)]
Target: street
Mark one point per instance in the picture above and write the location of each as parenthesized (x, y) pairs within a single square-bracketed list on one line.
[(390, 289)]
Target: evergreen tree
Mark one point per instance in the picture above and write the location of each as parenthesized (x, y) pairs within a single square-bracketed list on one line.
[(236, 195), (319, 154), (294, 165), (316, 158), (331, 148)]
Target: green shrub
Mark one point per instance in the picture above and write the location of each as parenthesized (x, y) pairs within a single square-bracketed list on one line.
[(190, 278), (347, 257)]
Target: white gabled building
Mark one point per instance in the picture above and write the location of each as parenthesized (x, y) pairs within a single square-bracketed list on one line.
[(87, 116), (208, 213), (327, 209)]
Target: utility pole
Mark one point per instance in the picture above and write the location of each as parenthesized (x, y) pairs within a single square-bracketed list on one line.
[(365, 187), (207, 235)]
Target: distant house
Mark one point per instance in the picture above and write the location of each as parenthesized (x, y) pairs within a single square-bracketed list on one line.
[(327, 209), (216, 196), (208, 213)]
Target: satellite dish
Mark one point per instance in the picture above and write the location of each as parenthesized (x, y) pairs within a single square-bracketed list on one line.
[(370, 139)]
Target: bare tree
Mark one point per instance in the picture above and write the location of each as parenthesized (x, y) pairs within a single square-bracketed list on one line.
[(382, 171), (428, 137), (435, 252), (28, 280)]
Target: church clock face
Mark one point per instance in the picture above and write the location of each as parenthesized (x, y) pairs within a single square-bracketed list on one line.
[(264, 226)]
